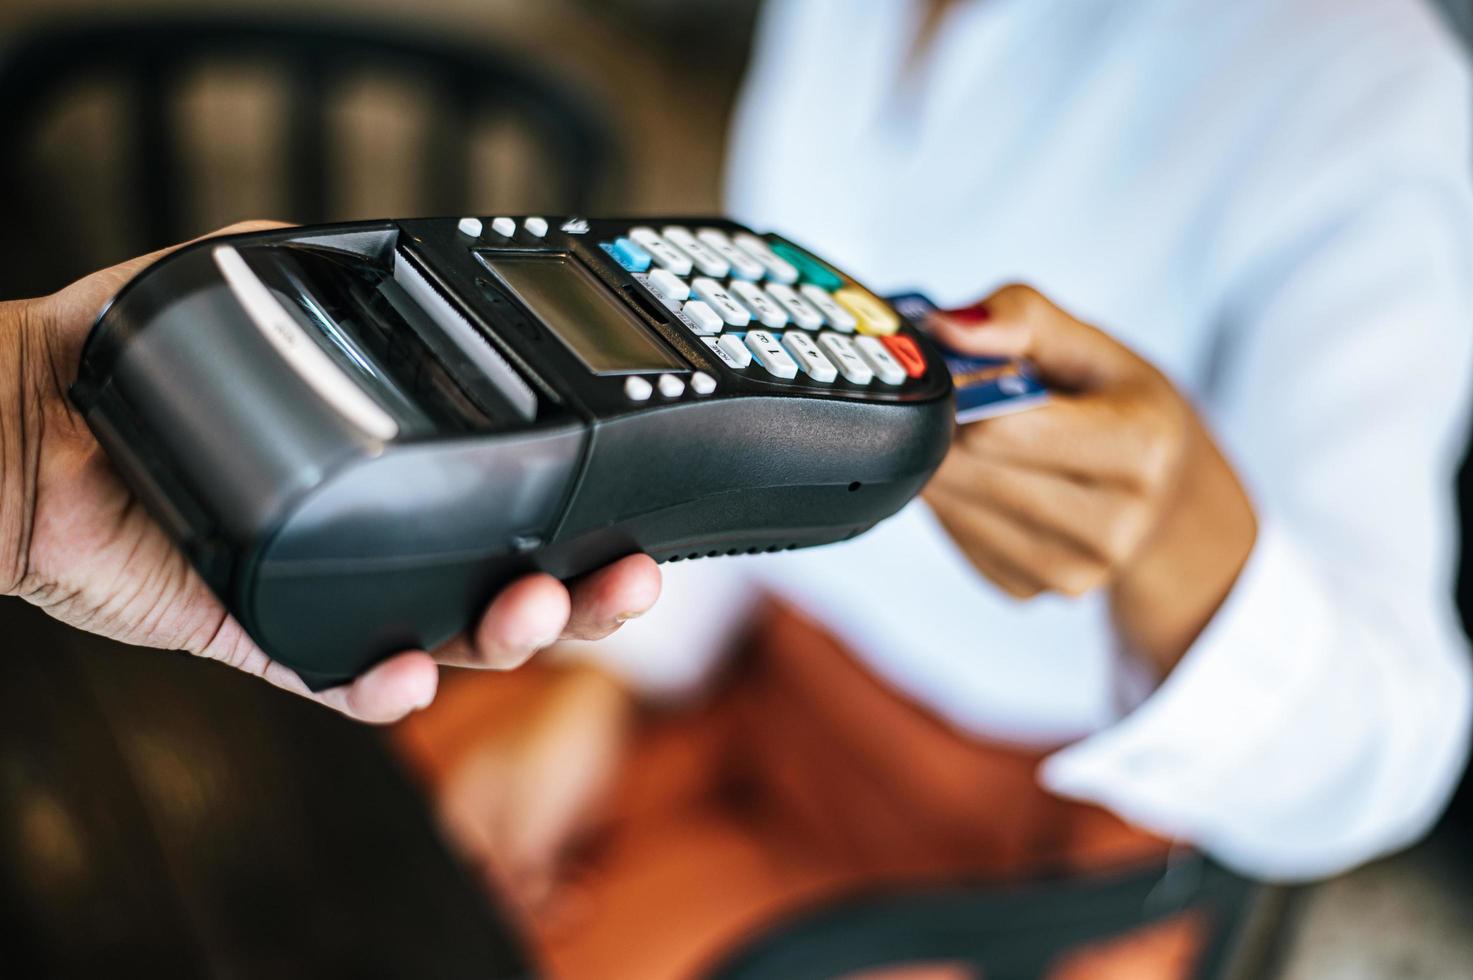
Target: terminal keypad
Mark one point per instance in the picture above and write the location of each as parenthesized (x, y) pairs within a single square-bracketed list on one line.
[(769, 307)]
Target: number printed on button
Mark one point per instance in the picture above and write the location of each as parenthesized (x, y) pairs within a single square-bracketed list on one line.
[(715, 296), (763, 306), (802, 312), (809, 357), (770, 354), (837, 317), (840, 350), (706, 260), (667, 255), (743, 266)]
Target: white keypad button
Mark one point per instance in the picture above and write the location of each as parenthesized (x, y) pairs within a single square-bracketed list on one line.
[(770, 354), (809, 357), (706, 260), (731, 350), (743, 266), (670, 386), (834, 314), (505, 227), (763, 306), (702, 317), (799, 310), (575, 226), (470, 226), (669, 286), (536, 227), (778, 268), (716, 297), (637, 389), (702, 383), (667, 255), (643, 278), (886, 368), (840, 350)]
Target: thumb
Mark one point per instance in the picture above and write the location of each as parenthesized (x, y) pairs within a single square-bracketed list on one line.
[(1018, 322)]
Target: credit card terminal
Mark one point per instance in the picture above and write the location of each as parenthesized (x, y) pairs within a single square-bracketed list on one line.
[(357, 433)]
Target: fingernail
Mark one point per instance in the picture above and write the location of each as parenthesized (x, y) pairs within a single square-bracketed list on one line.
[(971, 315), (625, 617)]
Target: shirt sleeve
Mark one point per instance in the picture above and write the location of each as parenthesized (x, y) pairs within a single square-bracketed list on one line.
[(1322, 716)]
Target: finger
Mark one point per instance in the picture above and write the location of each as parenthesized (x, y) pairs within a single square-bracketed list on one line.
[(611, 596), (387, 692), (1043, 557), (1010, 579), (527, 616), (1018, 322), (390, 690), (1104, 520), (1097, 438)]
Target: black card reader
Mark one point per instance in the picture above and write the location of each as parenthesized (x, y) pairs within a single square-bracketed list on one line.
[(359, 432)]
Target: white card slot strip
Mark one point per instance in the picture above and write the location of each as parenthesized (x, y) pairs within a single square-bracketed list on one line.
[(706, 260), (743, 266), (470, 341), (299, 351)]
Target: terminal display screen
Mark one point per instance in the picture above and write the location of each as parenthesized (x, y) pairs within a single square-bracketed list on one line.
[(583, 313)]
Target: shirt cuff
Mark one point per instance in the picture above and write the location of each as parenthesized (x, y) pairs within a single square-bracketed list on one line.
[(1167, 765)]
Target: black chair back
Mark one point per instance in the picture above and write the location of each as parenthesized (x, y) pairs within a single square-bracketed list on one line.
[(145, 68), (1017, 932)]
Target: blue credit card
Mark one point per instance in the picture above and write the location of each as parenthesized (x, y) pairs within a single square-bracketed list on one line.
[(985, 386)]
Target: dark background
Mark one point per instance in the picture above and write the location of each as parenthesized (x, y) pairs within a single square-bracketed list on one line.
[(163, 814)]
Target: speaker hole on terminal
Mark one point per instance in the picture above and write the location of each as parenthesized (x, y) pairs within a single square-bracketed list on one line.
[(855, 486)]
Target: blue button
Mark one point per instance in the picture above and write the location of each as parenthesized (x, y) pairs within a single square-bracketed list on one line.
[(629, 254)]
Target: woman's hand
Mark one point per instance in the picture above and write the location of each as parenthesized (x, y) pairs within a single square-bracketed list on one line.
[(75, 541), (1114, 483), (518, 799)]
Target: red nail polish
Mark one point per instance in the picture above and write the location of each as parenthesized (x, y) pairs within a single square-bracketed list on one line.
[(971, 315)]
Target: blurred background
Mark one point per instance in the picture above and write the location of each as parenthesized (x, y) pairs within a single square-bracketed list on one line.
[(209, 113), (159, 813)]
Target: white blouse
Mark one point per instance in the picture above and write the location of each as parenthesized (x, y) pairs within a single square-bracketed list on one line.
[(1271, 200)]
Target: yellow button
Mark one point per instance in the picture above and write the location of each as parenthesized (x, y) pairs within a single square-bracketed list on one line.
[(875, 318)]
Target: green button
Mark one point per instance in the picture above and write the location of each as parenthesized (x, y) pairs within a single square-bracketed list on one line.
[(809, 268)]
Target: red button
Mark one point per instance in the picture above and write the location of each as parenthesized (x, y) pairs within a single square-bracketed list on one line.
[(908, 353)]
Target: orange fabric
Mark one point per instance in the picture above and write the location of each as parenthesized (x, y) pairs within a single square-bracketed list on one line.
[(806, 778)]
